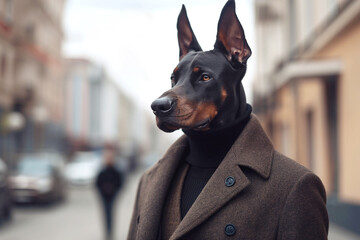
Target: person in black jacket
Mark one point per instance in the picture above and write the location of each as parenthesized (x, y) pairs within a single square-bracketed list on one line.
[(108, 183)]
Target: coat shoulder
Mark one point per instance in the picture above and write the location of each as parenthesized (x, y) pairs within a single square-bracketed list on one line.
[(287, 168), (288, 174), (305, 199)]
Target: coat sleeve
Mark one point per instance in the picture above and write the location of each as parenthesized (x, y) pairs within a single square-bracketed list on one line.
[(304, 215), (135, 215)]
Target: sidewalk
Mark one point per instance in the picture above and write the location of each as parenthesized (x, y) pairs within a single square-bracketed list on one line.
[(338, 233)]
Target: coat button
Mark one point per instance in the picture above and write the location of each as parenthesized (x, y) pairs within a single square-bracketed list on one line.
[(229, 181), (230, 230)]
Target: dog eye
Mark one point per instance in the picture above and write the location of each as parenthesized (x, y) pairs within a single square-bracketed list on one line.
[(205, 77)]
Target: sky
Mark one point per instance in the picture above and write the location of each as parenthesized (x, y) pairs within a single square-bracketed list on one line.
[(136, 40)]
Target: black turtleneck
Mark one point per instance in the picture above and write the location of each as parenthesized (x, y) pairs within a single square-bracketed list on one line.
[(206, 151)]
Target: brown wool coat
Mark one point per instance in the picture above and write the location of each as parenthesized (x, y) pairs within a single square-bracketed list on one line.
[(273, 196)]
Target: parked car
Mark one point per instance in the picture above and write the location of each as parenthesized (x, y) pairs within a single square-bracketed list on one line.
[(39, 177), (5, 197), (82, 170)]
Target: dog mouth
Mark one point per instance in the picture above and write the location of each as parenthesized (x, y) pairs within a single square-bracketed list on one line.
[(169, 127), (202, 126), (170, 124)]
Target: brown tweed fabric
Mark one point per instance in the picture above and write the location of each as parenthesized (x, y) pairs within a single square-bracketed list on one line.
[(171, 214), (273, 197)]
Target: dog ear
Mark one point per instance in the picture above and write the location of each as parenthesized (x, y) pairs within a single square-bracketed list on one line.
[(186, 36), (230, 36)]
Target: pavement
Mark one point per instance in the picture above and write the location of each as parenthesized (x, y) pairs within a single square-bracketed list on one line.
[(338, 233), (80, 217)]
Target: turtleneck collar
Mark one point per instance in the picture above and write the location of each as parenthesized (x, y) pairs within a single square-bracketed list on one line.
[(207, 149)]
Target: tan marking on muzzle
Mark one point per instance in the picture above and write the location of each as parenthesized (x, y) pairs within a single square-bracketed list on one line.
[(200, 112)]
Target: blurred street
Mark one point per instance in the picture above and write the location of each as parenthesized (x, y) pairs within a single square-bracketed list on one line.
[(338, 233), (80, 218)]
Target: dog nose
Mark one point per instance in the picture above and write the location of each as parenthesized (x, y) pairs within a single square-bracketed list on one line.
[(162, 105)]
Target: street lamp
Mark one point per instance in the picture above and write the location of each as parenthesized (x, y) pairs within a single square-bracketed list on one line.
[(14, 121)]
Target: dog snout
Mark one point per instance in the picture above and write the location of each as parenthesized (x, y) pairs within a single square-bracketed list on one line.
[(163, 105)]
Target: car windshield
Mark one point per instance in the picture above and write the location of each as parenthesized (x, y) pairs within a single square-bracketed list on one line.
[(34, 167)]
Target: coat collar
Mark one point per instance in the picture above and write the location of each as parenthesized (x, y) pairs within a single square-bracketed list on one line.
[(252, 149)]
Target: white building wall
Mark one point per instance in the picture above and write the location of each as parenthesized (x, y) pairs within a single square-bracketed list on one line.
[(109, 112)]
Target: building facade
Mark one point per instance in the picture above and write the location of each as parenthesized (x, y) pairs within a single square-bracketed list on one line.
[(30, 75), (305, 92), (97, 110), (77, 76)]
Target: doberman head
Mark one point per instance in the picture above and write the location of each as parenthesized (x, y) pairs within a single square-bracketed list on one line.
[(206, 92)]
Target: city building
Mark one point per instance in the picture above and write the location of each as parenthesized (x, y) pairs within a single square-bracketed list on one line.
[(97, 110), (305, 92), (7, 55), (30, 75), (78, 76), (7, 58)]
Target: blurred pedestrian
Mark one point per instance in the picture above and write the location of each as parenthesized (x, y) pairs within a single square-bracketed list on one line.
[(108, 183)]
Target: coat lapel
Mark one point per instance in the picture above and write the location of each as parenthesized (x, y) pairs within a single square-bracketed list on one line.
[(252, 149), (158, 183), (214, 195)]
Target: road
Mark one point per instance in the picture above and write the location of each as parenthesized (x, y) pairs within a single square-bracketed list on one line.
[(80, 218)]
